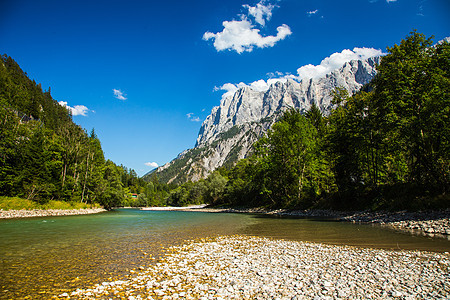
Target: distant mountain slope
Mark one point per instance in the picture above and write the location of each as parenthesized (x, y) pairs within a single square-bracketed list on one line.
[(229, 132)]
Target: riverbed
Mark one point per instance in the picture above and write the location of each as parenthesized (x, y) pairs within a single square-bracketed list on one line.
[(46, 256), (241, 267)]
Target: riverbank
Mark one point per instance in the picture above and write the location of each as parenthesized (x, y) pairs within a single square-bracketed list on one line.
[(170, 208), (430, 223), (240, 267), (9, 214)]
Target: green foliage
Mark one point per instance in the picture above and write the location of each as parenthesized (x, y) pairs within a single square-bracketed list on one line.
[(392, 143), (412, 105), (214, 187), (209, 190), (15, 203), (233, 131)]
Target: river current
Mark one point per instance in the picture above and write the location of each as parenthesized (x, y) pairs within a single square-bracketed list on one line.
[(46, 256)]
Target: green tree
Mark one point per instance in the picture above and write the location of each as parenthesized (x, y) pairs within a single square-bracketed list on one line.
[(33, 178), (8, 149), (290, 161), (411, 93), (240, 189), (112, 194), (215, 187)]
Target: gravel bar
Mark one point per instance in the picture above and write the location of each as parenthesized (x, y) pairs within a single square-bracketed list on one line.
[(242, 267), (9, 214)]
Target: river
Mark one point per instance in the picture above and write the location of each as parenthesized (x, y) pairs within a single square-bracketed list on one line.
[(41, 257)]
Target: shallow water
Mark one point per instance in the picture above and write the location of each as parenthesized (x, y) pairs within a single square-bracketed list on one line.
[(41, 257), (333, 232)]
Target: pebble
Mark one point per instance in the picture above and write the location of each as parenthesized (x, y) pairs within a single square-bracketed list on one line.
[(9, 214), (242, 267)]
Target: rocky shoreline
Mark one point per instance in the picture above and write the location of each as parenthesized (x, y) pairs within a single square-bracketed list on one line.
[(9, 214), (239, 267), (430, 223)]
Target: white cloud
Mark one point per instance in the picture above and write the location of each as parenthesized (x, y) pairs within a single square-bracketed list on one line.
[(313, 12), (329, 64), (388, 1), (229, 88), (241, 35), (275, 80), (260, 12), (151, 164), (335, 61), (275, 74), (77, 110), (119, 94), (262, 85), (191, 117), (259, 85)]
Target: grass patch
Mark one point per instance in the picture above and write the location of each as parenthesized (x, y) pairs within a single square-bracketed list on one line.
[(9, 203), (15, 203)]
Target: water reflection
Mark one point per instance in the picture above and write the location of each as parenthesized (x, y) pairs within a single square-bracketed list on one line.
[(332, 231)]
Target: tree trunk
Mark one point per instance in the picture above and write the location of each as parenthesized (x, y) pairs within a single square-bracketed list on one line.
[(85, 176), (300, 182), (64, 174)]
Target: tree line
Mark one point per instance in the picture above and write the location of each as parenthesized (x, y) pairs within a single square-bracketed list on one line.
[(386, 147)]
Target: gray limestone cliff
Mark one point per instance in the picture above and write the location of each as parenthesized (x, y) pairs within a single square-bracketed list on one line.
[(229, 132)]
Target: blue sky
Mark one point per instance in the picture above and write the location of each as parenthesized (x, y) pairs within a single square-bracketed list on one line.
[(145, 74)]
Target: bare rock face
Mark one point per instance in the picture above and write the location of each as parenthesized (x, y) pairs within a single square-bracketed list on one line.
[(247, 105), (229, 132)]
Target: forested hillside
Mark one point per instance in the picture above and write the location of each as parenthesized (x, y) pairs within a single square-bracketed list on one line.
[(385, 147), (45, 156)]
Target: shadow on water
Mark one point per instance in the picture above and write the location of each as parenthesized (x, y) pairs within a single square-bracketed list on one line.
[(335, 232), (41, 257)]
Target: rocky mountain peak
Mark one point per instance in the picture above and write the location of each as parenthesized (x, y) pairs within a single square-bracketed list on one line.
[(248, 105)]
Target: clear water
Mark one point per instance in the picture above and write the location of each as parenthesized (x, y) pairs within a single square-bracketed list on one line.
[(41, 257)]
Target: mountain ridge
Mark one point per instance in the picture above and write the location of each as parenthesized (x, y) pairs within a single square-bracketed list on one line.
[(244, 116)]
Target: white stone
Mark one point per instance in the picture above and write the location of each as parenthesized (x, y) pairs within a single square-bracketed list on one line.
[(397, 294)]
